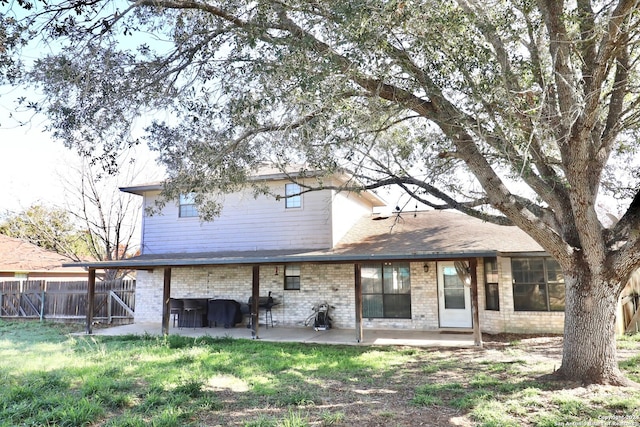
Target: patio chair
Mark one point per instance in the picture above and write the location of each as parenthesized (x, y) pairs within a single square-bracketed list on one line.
[(175, 310), (192, 310)]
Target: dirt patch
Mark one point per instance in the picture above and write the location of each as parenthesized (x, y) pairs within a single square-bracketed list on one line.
[(508, 369)]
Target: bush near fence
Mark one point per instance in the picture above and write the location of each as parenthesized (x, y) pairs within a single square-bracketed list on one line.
[(67, 301)]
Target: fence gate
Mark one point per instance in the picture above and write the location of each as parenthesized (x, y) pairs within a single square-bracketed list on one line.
[(22, 298)]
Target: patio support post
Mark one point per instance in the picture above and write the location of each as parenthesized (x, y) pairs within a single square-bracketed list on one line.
[(255, 301), (166, 301), (91, 294), (358, 290), (473, 270)]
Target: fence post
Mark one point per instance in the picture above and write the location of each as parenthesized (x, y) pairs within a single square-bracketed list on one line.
[(109, 307), (42, 306)]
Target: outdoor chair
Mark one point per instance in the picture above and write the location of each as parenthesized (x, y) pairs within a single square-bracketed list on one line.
[(175, 310), (192, 311)]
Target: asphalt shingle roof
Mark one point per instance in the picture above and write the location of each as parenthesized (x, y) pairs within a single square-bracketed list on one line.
[(17, 255), (419, 235), (434, 232)]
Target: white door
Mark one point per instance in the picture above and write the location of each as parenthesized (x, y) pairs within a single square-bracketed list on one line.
[(454, 298)]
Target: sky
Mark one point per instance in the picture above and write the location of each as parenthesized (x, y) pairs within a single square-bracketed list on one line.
[(33, 166), (29, 165)]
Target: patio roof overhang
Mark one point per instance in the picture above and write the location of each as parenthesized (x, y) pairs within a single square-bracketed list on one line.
[(146, 262)]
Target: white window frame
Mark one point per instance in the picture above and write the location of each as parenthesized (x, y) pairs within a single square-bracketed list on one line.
[(187, 206), (294, 202), (292, 271)]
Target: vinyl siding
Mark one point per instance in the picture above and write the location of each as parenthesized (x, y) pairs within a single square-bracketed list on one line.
[(245, 223), (348, 208)]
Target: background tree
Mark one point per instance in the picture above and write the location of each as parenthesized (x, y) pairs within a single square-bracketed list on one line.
[(110, 217), (50, 228), (534, 101), (97, 221)]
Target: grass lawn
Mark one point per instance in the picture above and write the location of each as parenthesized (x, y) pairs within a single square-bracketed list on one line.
[(51, 378)]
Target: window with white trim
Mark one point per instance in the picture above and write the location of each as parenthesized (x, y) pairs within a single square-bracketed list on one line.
[(491, 285), (292, 277), (293, 198), (386, 290), (188, 208), (538, 284)]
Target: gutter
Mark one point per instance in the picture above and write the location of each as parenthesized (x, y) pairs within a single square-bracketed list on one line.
[(143, 264)]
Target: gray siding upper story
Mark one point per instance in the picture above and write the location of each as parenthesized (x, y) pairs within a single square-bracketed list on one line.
[(247, 223)]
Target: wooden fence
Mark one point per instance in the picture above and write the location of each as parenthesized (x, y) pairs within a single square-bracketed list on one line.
[(38, 299)]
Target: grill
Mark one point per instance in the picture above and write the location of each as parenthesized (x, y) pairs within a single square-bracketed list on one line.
[(264, 303)]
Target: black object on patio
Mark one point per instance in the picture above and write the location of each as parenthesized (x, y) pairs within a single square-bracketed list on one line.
[(224, 311), (193, 311), (176, 306), (265, 303)]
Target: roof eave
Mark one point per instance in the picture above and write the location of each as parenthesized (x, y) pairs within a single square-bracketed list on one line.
[(143, 264)]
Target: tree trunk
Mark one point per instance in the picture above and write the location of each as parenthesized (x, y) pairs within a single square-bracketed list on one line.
[(589, 353)]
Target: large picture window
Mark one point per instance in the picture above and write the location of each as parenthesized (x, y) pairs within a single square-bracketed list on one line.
[(538, 284), (386, 291)]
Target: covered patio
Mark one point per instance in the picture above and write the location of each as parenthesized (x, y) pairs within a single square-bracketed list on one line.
[(305, 335), (168, 263)]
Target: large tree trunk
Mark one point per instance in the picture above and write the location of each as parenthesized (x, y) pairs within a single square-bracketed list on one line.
[(589, 354)]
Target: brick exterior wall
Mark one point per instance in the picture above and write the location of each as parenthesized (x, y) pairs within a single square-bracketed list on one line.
[(507, 320), (334, 283)]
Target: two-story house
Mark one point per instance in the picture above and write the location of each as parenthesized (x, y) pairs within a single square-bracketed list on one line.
[(421, 270)]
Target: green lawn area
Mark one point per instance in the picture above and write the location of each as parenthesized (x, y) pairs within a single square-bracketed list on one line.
[(52, 378)]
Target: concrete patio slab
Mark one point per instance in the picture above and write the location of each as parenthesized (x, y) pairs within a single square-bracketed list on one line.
[(306, 335)]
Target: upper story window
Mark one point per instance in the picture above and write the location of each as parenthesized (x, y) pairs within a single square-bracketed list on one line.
[(293, 198), (491, 293), (386, 290), (188, 206), (538, 284)]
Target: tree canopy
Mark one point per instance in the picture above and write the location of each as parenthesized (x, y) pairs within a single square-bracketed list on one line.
[(50, 228), (536, 101)]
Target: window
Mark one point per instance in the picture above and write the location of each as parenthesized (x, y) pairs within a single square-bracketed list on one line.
[(491, 294), (386, 290), (292, 277), (188, 206), (538, 284), (291, 201)]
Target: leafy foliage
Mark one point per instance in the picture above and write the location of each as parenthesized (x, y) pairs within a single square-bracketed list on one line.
[(50, 228)]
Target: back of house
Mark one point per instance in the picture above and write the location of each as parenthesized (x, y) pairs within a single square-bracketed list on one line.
[(400, 270)]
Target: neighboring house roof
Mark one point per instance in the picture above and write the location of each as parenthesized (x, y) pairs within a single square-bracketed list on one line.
[(19, 256), (408, 236)]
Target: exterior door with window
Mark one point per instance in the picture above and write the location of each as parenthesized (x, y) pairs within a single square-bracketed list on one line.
[(454, 298)]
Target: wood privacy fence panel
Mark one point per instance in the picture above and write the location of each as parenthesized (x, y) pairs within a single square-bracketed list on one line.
[(114, 300)]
